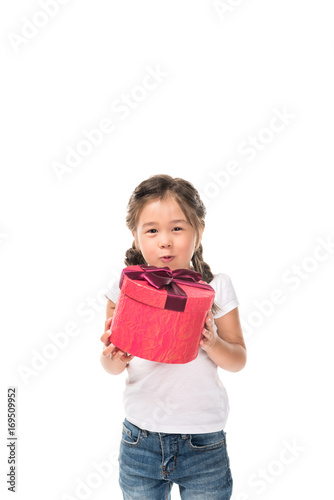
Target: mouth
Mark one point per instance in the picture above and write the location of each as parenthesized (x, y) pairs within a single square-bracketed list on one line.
[(167, 258)]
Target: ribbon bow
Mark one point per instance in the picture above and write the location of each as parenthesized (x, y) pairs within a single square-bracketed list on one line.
[(164, 277)]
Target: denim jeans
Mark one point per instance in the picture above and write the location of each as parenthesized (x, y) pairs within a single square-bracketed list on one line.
[(151, 462)]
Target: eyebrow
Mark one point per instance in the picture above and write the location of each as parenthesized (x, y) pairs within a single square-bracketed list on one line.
[(157, 223)]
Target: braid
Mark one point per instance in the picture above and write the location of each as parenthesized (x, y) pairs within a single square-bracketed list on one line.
[(133, 256), (202, 267)]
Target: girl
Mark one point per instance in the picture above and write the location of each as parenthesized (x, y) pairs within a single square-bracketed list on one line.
[(176, 413)]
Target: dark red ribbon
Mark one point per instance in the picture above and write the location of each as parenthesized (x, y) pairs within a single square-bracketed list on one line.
[(164, 277)]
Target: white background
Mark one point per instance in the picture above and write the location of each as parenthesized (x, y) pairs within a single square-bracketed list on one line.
[(63, 237)]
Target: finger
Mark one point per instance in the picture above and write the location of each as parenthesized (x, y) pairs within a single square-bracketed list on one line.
[(209, 325), (207, 336), (106, 352), (107, 323), (109, 350), (107, 333), (126, 359), (105, 338), (118, 354), (104, 335), (203, 342), (209, 317)]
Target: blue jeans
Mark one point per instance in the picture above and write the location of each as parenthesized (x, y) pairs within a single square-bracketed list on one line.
[(151, 462)]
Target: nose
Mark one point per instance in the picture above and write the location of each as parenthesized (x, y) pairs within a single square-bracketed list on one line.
[(163, 243)]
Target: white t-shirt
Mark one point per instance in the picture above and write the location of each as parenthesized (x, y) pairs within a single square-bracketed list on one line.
[(185, 398)]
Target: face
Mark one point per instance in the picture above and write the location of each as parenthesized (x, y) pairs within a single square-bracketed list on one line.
[(157, 235)]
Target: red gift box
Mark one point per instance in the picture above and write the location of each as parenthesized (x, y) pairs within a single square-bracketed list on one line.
[(160, 313)]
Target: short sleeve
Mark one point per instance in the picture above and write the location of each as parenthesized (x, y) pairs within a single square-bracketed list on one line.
[(112, 292), (225, 297)]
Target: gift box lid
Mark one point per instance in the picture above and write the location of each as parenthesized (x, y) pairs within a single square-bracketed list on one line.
[(199, 299)]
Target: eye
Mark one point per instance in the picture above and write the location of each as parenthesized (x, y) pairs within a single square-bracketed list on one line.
[(177, 227)]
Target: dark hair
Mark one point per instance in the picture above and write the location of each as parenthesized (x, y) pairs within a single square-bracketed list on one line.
[(184, 193)]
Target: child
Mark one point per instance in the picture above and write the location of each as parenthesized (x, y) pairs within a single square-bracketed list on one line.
[(176, 413)]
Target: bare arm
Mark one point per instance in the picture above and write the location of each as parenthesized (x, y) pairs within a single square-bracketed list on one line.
[(112, 363), (229, 350)]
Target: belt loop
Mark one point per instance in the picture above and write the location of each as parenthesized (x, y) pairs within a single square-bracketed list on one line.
[(144, 432)]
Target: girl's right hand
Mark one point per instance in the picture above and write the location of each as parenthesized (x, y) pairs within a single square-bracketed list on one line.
[(111, 349)]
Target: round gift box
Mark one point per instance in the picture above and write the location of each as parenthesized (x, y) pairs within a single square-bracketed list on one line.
[(143, 327)]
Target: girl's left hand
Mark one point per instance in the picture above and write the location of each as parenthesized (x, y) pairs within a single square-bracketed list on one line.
[(209, 334)]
